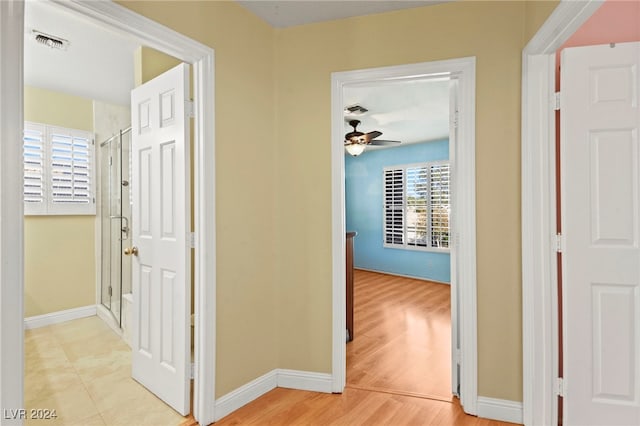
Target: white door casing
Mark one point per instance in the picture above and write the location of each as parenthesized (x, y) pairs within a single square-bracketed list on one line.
[(600, 186), (161, 233), (453, 264)]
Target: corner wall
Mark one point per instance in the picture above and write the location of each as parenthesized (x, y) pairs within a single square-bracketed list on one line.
[(59, 251)]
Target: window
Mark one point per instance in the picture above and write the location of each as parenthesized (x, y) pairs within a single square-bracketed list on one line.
[(417, 206), (59, 174)]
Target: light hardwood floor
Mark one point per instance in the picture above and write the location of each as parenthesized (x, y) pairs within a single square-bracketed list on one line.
[(400, 325), (402, 335)]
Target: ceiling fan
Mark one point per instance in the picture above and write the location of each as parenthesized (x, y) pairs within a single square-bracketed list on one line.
[(356, 141)]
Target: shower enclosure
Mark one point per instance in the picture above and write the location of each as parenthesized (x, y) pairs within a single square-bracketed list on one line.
[(115, 216)]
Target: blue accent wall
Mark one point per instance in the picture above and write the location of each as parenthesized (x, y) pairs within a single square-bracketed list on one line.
[(363, 197)]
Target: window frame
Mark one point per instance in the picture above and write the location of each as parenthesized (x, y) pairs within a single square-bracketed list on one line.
[(405, 206), (49, 205)]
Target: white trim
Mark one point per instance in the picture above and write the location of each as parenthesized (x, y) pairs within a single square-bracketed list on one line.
[(304, 380), (462, 158), (11, 208), (402, 275), (159, 37), (240, 397), (500, 409), (282, 378), (539, 269), (59, 316)]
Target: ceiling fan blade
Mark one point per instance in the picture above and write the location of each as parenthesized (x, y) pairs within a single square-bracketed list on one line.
[(383, 142), (373, 135)]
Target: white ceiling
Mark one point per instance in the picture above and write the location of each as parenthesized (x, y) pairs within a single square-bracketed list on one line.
[(98, 63), (408, 111), (288, 13)]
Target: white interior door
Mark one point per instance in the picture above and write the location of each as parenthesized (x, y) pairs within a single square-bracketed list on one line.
[(601, 224), (161, 214)]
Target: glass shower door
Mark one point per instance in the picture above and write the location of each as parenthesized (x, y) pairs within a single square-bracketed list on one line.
[(114, 226)]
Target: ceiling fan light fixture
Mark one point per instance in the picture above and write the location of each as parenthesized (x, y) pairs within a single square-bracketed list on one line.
[(355, 149)]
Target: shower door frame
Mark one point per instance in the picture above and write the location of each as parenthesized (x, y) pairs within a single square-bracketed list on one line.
[(148, 33)]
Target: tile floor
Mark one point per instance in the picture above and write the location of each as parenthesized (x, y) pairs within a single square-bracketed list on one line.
[(82, 369)]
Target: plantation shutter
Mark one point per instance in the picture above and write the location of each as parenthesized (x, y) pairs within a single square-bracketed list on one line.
[(417, 196), (394, 206), (417, 206), (59, 175), (34, 137), (71, 168), (439, 205)]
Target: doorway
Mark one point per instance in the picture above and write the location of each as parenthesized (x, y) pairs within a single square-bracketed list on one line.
[(161, 38), (402, 343), (462, 157)]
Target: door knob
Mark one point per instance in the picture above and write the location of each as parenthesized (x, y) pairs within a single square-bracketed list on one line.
[(131, 251)]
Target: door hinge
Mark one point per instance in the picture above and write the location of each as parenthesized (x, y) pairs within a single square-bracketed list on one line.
[(458, 357), (559, 243), (560, 386), (192, 239), (556, 101), (455, 119), (110, 291), (189, 108), (192, 374)]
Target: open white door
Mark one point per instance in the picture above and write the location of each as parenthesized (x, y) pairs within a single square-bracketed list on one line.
[(161, 237), (600, 120)]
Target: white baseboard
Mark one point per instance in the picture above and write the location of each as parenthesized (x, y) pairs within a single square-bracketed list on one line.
[(245, 394), (499, 409), (291, 379), (58, 317), (304, 380)]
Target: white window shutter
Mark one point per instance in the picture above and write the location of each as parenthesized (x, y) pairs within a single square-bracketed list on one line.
[(34, 143), (440, 206), (393, 206), (417, 206), (67, 175)]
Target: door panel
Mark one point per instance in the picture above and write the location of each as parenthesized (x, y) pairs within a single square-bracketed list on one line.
[(600, 221), (161, 214)]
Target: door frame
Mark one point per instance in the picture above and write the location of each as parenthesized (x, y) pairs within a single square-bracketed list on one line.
[(462, 158), (149, 33), (540, 346)]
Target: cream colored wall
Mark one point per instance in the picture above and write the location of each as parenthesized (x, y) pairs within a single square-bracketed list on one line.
[(306, 56), (245, 180), (273, 171), (59, 270)]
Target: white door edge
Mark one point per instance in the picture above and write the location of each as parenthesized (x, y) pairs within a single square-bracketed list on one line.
[(159, 37), (464, 169), (539, 272)]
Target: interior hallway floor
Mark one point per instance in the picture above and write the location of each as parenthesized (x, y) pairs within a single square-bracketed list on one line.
[(402, 336), (82, 369)]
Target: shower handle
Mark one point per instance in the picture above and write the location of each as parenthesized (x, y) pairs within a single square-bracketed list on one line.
[(125, 227), (131, 251)]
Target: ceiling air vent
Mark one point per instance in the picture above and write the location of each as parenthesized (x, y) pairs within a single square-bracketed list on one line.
[(50, 41)]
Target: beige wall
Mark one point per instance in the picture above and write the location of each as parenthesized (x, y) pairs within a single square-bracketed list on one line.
[(273, 171), (245, 180), (59, 270), (306, 57)]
